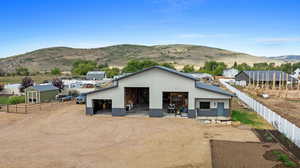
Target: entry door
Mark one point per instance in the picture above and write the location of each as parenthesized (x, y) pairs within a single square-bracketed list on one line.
[(220, 110)]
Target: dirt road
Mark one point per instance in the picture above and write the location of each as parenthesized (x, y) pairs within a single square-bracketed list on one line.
[(67, 138)]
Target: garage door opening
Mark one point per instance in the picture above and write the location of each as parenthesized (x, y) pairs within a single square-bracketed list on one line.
[(175, 103), (137, 100), (102, 106)]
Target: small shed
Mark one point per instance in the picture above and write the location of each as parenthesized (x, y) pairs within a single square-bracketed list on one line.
[(41, 93), (95, 75)]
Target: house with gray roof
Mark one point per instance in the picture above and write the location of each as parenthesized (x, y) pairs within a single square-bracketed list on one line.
[(41, 93), (230, 73), (265, 76), (95, 75), (159, 91)]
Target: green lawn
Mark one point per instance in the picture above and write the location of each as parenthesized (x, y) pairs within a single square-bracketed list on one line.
[(12, 99), (249, 118), (4, 100)]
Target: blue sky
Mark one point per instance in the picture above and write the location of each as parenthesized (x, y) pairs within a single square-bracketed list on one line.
[(258, 27)]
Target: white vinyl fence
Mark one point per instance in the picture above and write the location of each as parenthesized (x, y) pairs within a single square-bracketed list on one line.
[(284, 126)]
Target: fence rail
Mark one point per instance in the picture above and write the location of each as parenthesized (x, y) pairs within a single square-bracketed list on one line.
[(19, 108), (287, 128)]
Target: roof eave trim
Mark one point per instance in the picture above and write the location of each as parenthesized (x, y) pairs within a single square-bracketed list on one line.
[(147, 69)]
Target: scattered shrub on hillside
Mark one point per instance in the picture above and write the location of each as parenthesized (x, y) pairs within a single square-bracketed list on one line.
[(16, 99), (55, 71), (22, 71)]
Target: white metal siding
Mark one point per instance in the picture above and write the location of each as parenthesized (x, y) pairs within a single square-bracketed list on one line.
[(158, 81)]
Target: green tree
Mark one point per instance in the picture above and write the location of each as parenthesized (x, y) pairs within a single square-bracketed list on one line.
[(111, 72), (22, 71), (288, 68), (82, 67), (55, 71), (213, 67), (235, 65), (188, 69), (260, 66), (243, 67), (137, 65), (102, 66)]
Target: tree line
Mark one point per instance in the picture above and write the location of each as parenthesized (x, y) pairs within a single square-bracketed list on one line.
[(81, 67)]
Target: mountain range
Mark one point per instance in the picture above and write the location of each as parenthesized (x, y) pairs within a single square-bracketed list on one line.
[(118, 55), (287, 58)]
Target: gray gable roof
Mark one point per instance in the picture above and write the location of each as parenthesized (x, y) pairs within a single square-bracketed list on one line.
[(44, 88), (212, 88), (185, 75), (198, 84), (268, 75)]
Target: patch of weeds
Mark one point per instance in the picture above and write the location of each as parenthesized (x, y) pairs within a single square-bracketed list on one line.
[(284, 158), (248, 118)]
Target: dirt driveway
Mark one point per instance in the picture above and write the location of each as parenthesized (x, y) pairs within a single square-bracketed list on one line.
[(66, 138)]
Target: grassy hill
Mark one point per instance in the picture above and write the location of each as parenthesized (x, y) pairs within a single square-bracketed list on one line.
[(118, 55)]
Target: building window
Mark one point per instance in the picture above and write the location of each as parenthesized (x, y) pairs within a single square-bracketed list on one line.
[(204, 105)]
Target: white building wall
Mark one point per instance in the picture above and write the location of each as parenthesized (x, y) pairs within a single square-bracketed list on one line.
[(158, 81), (214, 103)]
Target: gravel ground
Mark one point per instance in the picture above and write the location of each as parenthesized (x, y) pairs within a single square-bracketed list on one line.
[(66, 138)]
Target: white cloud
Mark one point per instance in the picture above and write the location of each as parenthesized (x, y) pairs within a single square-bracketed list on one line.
[(279, 40)]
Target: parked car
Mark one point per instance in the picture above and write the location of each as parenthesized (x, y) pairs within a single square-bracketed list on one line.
[(63, 98), (66, 98), (81, 99)]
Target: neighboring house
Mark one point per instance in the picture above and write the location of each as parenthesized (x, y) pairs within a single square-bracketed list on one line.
[(152, 90), (41, 93), (13, 89), (296, 74), (95, 75), (230, 73), (202, 76), (264, 77)]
